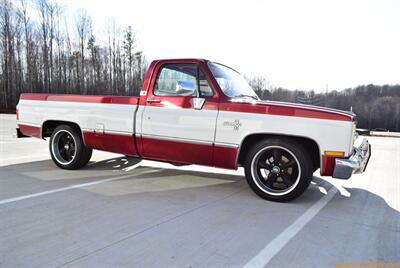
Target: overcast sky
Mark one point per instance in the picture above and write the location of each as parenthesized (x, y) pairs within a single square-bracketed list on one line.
[(294, 44)]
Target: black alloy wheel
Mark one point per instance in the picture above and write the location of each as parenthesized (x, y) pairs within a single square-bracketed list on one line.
[(64, 147), (278, 169), (67, 148)]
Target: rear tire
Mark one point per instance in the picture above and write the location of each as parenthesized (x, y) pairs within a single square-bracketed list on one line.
[(67, 148), (278, 169)]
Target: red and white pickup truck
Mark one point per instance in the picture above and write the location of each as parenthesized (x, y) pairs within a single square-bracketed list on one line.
[(194, 111)]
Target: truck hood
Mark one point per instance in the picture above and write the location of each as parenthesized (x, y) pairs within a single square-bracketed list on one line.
[(296, 108), (308, 107)]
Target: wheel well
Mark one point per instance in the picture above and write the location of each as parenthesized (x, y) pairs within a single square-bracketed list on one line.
[(49, 126), (309, 144)]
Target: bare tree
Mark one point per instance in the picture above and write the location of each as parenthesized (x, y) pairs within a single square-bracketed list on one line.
[(83, 26), (28, 45), (43, 7), (10, 38), (129, 45)]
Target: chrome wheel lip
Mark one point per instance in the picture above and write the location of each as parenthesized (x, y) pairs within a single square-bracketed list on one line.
[(55, 150), (264, 188)]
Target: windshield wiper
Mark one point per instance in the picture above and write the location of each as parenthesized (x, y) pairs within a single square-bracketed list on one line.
[(249, 96)]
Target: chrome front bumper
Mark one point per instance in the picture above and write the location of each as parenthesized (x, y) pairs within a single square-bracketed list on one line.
[(356, 163)]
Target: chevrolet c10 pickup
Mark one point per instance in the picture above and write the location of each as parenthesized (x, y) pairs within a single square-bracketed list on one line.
[(195, 111)]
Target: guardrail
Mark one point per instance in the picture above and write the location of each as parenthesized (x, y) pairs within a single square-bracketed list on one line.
[(385, 134)]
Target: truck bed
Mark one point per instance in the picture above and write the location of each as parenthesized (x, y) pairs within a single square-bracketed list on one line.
[(103, 120)]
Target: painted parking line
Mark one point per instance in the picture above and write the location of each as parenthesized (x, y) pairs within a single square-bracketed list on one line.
[(271, 249), (71, 187)]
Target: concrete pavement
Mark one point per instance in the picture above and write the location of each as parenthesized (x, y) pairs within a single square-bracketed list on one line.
[(124, 212)]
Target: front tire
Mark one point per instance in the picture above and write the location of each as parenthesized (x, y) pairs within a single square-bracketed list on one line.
[(278, 169), (67, 148)]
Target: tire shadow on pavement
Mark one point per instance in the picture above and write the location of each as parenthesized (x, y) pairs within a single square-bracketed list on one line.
[(118, 163)]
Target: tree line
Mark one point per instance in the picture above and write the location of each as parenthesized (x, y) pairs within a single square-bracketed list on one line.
[(43, 52), (376, 106)]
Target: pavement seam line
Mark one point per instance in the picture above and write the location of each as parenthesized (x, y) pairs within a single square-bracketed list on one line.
[(275, 246)]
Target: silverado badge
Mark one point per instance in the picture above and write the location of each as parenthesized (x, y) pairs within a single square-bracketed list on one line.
[(235, 124)]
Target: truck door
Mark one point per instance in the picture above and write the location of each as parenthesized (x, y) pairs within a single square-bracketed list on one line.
[(179, 117)]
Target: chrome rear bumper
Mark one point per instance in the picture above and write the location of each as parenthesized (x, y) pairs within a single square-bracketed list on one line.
[(356, 163)]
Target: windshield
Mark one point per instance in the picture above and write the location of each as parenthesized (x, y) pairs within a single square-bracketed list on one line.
[(231, 82)]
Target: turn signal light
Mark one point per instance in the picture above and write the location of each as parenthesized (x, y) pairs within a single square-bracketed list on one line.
[(334, 153)]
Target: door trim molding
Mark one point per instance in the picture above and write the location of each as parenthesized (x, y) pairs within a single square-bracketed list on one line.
[(169, 138)]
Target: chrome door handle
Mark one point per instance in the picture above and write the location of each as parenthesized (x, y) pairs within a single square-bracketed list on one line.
[(153, 101)]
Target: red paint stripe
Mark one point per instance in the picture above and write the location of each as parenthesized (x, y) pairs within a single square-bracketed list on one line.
[(82, 98), (30, 131), (281, 110), (211, 104), (119, 144), (30, 96)]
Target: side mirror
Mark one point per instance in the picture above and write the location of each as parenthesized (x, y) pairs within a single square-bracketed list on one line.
[(198, 103), (185, 88)]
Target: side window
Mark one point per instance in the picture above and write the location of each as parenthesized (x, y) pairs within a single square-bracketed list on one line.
[(181, 80)]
